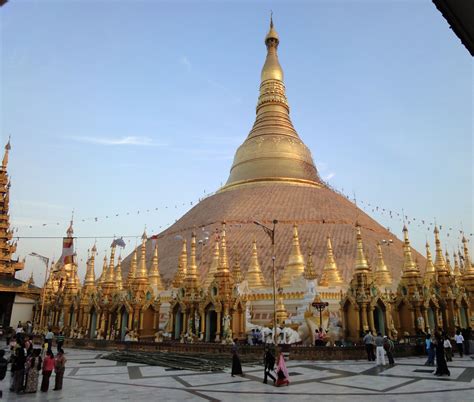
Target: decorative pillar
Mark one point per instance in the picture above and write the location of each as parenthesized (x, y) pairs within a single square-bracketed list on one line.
[(427, 323), (365, 326), (370, 313), (412, 330), (185, 322), (218, 330)]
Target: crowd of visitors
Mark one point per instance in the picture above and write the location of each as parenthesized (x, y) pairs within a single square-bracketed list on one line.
[(27, 362)]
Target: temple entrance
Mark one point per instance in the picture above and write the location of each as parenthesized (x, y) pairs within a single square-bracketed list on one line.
[(431, 320), (211, 324), (178, 322), (463, 314), (379, 319), (123, 323), (148, 322), (93, 326), (405, 319), (352, 321)]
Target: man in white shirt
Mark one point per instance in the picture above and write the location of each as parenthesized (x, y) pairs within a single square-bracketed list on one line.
[(459, 339)]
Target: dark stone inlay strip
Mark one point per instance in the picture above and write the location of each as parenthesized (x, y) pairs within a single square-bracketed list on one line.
[(121, 364), (74, 371), (181, 381), (87, 362), (134, 372), (203, 396)]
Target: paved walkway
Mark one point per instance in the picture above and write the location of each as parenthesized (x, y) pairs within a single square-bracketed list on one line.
[(89, 378)]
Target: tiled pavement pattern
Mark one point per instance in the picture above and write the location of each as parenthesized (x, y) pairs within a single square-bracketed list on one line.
[(89, 378)]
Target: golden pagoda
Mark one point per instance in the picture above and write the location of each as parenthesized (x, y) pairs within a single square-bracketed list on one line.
[(330, 275)]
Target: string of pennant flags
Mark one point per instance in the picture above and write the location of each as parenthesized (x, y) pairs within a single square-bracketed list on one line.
[(368, 207)]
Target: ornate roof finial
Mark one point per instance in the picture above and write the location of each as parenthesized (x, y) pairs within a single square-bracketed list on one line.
[(154, 276), (430, 271), (191, 272), (361, 264), (382, 273), (70, 230), (224, 261), (440, 263), (310, 272), (110, 278), (295, 265), (5, 156), (330, 275), (103, 274), (214, 264), (457, 270), (408, 265), (118, 274), (254, 275), (132, 272), (236, 271), (182, 266), (142, 273)]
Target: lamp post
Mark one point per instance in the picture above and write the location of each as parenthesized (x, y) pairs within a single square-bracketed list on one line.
[(271, 234), (46, 262), (319, 305)]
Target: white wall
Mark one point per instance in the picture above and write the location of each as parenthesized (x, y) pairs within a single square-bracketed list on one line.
[(22, 310)]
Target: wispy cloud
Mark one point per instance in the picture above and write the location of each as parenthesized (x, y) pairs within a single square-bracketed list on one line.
[(329, 176), (186, 63), (128, 140)]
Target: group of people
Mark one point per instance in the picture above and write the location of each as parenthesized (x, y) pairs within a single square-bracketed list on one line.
[(28, 362), (282, 377), (382, 345)]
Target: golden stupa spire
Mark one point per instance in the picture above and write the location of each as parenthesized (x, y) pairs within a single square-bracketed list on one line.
[(361, 264), (236, 271), (191, 272), (430, 271), (89, 279), (382, 273), (142, 273), (5, 155), (103, 274), (182, 264), (272, 151), (440, 263), (467, 259), (295, 266), (330, 275), (456, 270), (154, 276), (132, 272), (224, 261), (110, 277), (409, 266), (254, 275), (449, 268), (310, 272), (468, 272), (118, 274), (223, 275), (214, 264)]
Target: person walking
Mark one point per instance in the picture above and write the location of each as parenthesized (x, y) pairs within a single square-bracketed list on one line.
[(59, 368), (33, 365), (369, 345), (59, 341), (467, 337), (49, 338), (19, 369), (448, 349), (283, 377), (236, 365), (379, 350), (430, 349), (269, 364), (459, 339), (389, 348), (441, 365), (48, 366)]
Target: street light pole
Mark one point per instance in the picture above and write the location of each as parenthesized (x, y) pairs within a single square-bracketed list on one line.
[(271, 234), (43, 293)]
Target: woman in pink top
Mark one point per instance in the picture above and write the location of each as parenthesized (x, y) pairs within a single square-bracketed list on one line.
[(48, 366)]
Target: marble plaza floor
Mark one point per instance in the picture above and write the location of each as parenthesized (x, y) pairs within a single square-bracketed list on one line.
[(90, 378)]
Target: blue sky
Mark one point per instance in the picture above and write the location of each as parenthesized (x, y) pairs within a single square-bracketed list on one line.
[(121, 106)]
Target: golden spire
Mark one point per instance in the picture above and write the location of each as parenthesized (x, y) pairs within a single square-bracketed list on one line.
[(5, 156), (103, 275), (254, 275), (456, 271), (448, 263), (361, 264), (132, 272), (430, 272), (118, 274), (310, 272), (236, 271), (224, 261), (440, 263), (223, 275), (110, 277), (281, 313), (409, 266), (142, 274), (214, 264), (295, 266), (191, 272), (467, 258), (382, 273), (272, 151), (468, 273), (89, 280), (182, 263), (330, 275), (154, 275)]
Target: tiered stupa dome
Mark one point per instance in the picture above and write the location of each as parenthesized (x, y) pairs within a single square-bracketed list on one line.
[(273, 176)]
